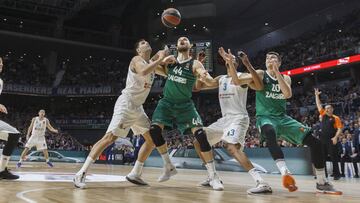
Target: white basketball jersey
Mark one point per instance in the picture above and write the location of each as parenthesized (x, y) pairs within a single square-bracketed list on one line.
[(138, 87), (39, 127), (232, 98)]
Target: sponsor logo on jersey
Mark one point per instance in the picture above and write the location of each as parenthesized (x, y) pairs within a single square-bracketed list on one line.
[(177, 79)]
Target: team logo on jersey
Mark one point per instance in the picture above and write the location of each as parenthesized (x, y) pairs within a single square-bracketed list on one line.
[(267, 80)]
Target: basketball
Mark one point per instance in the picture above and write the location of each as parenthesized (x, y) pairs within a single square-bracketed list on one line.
[(171, 17)]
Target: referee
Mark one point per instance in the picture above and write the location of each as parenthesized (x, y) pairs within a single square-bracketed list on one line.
[(331, 128)]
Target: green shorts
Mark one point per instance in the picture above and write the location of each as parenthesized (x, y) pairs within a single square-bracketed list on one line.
[(286, 128), (183, 115)]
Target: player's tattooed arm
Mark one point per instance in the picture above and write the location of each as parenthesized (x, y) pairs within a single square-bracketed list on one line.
[(30, 129), (49, 126), (257, 83)]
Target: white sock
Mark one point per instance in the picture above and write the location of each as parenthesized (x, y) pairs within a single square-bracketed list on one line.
[(320, 176), (211, 169), (280, 163), (47, 160), (166, 160), (86, 165), (4, 162), (20, 161), (256, 175), (137, 169)]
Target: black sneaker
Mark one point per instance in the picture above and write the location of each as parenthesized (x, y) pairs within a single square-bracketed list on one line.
[(356, 176), (336, 177), (343, 175), (6, 174)]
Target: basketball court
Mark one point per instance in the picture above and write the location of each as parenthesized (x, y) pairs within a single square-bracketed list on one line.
[(107, 184)]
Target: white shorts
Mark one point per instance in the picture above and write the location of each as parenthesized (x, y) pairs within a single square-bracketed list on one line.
[(5, 129), (36, 141), (230, 129), (128, 116)]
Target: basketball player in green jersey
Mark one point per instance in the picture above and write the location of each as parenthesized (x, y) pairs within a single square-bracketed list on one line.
[(177, 108), (274, 124)]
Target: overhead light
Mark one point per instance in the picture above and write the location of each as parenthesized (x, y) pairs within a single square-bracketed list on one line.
[(299, 82), (312, 73), (39, 56), (5, 19), (67, 60), (185, 29), (332, 72), (175, 27), (158, 14), (21, 22), (90, 56), (340, 30), (157, 36), (163, 33), (204, 27), (266, 24), (194, 25)]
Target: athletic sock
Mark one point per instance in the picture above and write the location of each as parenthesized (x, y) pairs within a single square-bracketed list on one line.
[(4, 162), (255, 175), (137, 169), (320, 176), (280, 163), (166, 160), (86, 165), (210, 166)]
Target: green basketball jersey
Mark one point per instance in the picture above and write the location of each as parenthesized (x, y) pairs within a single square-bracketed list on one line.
[(180, 81), (270, 101)]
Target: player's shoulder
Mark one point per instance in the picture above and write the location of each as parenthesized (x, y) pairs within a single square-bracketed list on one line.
[(136, 58)]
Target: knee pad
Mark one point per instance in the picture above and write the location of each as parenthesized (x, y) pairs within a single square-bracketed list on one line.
[(200, 136), (156, 135), (11, 144), (270, 134)]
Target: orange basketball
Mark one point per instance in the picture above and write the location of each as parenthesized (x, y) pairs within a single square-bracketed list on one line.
[(171, 17)]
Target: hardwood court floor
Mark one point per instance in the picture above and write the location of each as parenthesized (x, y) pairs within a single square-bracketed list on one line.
[(181, 188)]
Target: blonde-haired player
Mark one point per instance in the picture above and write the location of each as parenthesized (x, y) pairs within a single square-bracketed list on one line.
[(37, 139)]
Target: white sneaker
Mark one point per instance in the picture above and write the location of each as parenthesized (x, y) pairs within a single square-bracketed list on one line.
[(79, 181), (261, 188), (205, 183), (135, 179), (216, 184), (168, 172)]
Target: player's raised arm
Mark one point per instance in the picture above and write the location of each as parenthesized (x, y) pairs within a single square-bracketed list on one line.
[(317, 100), (229, 59), (257, 83), (142, 68), (30, 128), (49, 126)]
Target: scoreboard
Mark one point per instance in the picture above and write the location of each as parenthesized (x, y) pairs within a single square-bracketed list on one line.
[(198, 46)]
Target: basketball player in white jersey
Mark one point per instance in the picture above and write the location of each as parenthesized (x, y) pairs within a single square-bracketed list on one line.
[(10, 135), (128, 111), (37, 139), (233, 126)]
